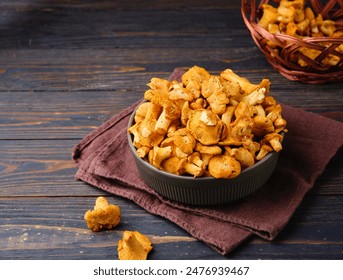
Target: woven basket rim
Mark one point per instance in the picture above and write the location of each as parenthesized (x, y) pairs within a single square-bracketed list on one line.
[(315, 72)]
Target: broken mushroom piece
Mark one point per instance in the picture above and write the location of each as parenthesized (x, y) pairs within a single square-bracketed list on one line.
[(224, 166), (134, 246), (104, 215)]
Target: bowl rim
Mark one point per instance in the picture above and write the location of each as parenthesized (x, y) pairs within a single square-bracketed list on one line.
[(188, 177)]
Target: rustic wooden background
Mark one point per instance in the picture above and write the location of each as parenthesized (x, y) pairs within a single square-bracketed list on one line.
[(68, 66)]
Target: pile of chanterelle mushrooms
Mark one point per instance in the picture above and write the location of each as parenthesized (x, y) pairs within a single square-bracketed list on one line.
[(207, 125)]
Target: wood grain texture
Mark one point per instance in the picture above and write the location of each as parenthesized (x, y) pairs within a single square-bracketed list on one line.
[(53, 228), (68, 66), (45, 168)]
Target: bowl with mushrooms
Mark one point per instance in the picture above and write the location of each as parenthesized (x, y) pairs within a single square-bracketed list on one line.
[(207, 139)]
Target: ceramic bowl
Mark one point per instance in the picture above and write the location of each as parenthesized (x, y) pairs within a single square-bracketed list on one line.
[(203, 191)]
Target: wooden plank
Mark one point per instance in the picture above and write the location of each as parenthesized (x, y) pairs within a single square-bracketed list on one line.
[(124, 69), (70, 27), (58, 115), (65, 115), (53, 228), (113, 69), (45, 168), (40, 168), (141, 5)]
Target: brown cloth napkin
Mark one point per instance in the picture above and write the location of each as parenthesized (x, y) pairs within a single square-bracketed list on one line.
[(105, 161)]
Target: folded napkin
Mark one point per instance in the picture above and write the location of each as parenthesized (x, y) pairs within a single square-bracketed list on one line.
[(105, 161)]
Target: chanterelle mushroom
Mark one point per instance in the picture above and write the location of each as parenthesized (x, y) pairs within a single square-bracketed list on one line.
[(205, 126), (104, 215), (158, 92), (245, 84), (274, 114), (262, 125), (195, 74), (274, 140), (143, 132), (134, 246), (184, 141), (243, 155), (141, 111), (207, 152), (178, 92), (215, 94), (270, 15), (171, 111), (170, 164), (192, 165), (224, 166), (160, 154)]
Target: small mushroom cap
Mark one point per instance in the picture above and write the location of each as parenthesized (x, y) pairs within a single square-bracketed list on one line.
[(264, 150), (178, 92), (160, 154), (262, 125), (141, 111), (205, 149), (170, 164), (196, 74), (192, 165), (185, 141), (134, 246), (224, 166), (104, 215), (274, 140), (244, 157), (158, 92), (205, 126)]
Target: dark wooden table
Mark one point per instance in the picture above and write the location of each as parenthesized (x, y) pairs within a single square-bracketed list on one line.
[(68, 66)]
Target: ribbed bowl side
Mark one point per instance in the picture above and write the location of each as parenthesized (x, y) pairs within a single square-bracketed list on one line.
[(210, 191)]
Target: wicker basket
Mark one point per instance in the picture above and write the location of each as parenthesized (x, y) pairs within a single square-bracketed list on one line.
[(285, 59)]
